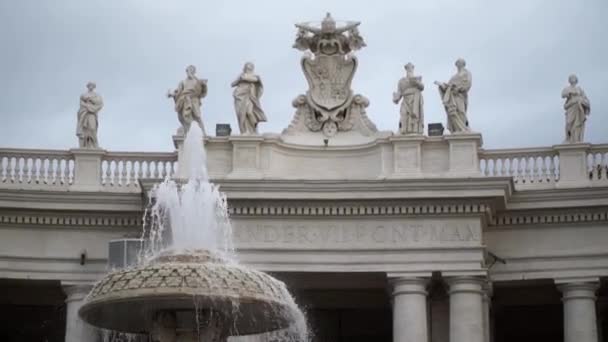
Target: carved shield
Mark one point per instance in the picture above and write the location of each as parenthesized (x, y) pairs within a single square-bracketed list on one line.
[(329, 79)]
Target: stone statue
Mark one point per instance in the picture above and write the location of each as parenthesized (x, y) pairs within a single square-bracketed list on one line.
[(455, 98), (577, 108), (409, 90), (248, 89), (187, 99), (86, 127)]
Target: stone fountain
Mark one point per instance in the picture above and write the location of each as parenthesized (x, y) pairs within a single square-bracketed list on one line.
[(188, 286)]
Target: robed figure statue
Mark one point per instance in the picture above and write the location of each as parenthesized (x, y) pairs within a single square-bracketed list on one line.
[(455, 98), (86, 127), (409, 90), (187, 97), (248, 89), (577, 108)]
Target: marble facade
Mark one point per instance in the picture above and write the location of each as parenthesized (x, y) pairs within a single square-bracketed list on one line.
[(447, 237)]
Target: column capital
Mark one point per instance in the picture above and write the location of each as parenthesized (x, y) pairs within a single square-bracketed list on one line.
[(578, 290), (409, 285), (466, 284), (76, 292)]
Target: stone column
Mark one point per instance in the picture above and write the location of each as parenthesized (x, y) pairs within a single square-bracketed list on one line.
[(466, 309), (580, 320), (487, 306), (410, 310), (77, 330)]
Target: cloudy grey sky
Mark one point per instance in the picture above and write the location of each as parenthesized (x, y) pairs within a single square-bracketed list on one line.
[(520, 54)]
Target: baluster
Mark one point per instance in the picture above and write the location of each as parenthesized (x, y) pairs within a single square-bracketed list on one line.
[(53, 167), (26, 170), (45, 170), (160, 167), (65, 171), (605, 164), (122, 180), (486, 167), (38, 165), (71, 170), (144, 169), (132, 172), (542, 169), (4, 167), (589, 163), (61, 165), (109, 173), (502, 171), (12, 167)]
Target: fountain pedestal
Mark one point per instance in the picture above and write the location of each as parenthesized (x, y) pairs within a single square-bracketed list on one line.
[(188, 297)]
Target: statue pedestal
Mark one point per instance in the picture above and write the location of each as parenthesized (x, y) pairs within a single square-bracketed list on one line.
[(573, 171), (463, 154), (407, 156), (246, 156), (87, 169)]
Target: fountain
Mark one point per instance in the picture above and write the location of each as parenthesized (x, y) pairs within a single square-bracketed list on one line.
[(188, 286)]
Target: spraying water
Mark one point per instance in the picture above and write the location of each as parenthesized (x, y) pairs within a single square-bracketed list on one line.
[(192, 215)]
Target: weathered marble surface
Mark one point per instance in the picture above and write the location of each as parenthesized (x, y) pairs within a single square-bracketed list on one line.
[(455, 98), (187, 97), (409, 91), (577, 109), (88, 122), (330, 106), (248, 90)]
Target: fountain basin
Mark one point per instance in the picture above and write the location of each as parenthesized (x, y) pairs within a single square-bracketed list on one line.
[(250, 301)]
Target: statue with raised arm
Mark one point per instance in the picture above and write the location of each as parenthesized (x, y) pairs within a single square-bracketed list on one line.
[(187, 97), (86, 127), (248, 89), (577, 108), (409, 91), (455, 98)]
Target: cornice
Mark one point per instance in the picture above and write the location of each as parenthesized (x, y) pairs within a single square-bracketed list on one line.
[(559, 198), (244, 208), (499, 189), (550, 217), (71, 219), (70, 200)]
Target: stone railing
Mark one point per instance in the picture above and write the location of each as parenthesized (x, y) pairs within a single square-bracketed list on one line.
[(124, 169), (573, 165), (78, 169), (257, 157), (527, 166), (36, 168), (597, 164)]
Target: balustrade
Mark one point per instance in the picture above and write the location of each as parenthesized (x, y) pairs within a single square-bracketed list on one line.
[(597, 164), (124, 169), (530, 168), (526, 166), (51, 168)]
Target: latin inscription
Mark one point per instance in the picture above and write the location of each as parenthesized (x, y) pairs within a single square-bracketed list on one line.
[(356, 234)]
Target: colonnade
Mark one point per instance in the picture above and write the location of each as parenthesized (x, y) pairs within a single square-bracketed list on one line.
[(469, 310)]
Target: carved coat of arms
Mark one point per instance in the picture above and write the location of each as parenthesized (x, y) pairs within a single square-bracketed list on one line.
[(329, 65), (329, 80)]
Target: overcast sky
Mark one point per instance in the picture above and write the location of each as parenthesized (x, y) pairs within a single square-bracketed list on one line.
[(519, 52)]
